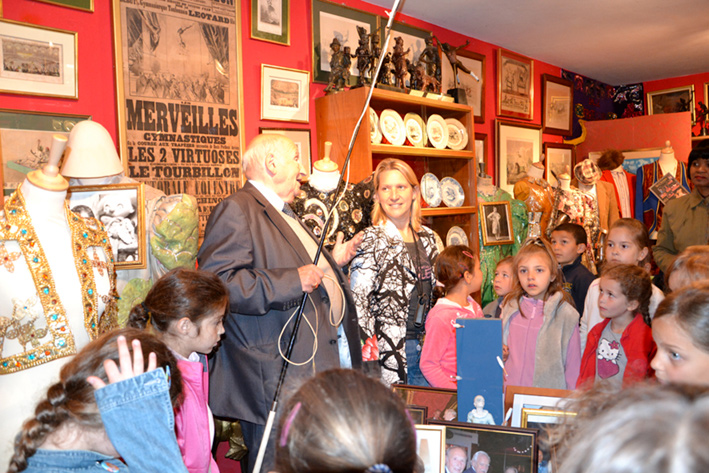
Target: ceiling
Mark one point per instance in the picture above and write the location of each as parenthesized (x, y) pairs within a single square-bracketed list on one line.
[(614, 41)]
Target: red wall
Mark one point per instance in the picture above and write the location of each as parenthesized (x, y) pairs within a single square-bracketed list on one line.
[(698, 80)]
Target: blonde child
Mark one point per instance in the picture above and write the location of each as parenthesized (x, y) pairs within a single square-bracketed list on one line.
[(628, 243), (540, 323), (692, 265), (619, 349), (502, 285), (458, 270), (681, 330), (185, 308)]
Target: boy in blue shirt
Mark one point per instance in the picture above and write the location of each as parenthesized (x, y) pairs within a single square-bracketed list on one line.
[(568, 242)]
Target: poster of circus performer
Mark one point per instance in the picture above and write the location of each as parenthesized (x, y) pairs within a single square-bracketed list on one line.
[(180, 96), (25, 139)]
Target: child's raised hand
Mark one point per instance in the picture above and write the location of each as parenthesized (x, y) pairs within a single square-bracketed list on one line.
[(128, 368)]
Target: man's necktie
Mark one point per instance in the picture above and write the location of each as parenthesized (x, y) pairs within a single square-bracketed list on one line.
[(289, 211)]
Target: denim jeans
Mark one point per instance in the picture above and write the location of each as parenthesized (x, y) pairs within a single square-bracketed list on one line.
[(138, 417), (414, 376)]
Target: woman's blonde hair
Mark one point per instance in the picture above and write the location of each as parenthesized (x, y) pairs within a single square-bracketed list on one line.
[(692, 265), (393, 164)]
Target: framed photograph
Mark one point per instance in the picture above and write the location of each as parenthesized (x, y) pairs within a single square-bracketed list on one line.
[(431, 447), (86, 5), (519, 397), (442, 404), (301, 138), (336, 21), (474, 89), (542, 418), (506, 447), (515, 85), (557, 108), (679, 99), (270, 21), (285, 94), (518, 146), (36, 60), (496, 221), (121, 210), (481, 152), (25, 139), (560, 159), (419, 414)]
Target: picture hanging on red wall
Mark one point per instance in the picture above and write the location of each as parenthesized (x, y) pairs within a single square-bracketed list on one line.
[(679, 99), (515, 85), (557, 102), (85, 5), (270, 21)]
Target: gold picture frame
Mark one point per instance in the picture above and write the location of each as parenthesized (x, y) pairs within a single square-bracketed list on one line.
[(531, 418), (496, 223)]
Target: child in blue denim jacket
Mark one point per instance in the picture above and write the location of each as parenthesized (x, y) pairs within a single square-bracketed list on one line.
[(84, 425)]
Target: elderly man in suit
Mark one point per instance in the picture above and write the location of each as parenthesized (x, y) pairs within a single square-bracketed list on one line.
[(264, 254)]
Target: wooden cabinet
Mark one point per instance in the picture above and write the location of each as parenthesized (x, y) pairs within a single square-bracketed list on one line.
[(337, 116)]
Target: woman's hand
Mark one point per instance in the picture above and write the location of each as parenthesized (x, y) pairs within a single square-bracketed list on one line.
[(128, 368)]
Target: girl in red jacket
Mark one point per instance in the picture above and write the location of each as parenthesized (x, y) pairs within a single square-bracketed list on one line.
[(620, 348), (185, 308), (458, 270)]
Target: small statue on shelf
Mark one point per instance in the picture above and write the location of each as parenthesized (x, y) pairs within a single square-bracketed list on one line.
[(398, 57), (385, 71), (337, 79), (702, 116), (451, 54), (375, 52), (363, 55), (431, 59), (424, 82)]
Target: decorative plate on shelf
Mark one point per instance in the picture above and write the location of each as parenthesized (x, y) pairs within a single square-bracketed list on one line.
[(457, 134), (415, 129), (431, 190), (437, 131), (375, 135), (456, 236), (452, 192), (392, 127)]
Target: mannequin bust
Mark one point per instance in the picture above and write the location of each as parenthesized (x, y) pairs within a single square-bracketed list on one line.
[(325, 177), (564, 182), (485, 185), (538, 196), (667, 160), (536, 171), (53, 297)]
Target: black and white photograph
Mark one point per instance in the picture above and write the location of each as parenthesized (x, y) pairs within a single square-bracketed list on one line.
[(496, 222), (518, 145), (270, 21), (120, 208)]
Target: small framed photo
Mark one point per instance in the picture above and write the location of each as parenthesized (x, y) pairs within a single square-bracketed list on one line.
[(301, 138), (419, 414), (431, 447), (474, 89), (270, 21), (504, 447), (332, 21), (481, 152), (85, 5), (442, 404), (557, 109), (518, 146), (37, 60), (679, 99), (559, 160), (515, 85), (542, 418), (285, 94), (121, 210), (519, 397), (496, 222)]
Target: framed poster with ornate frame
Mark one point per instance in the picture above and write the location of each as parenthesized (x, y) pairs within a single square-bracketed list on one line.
[(37, 60), (557, 108), (518, 146), (25, 139), (515, 85), (270, 21), (560, 158), (331, 21), (474, 89), (180, 96)]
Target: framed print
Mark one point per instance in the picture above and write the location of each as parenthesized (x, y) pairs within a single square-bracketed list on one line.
[(679, 99), (481, 152), (419, 414), (121, 210), (559, 160), (535, 398), (474, 89), (431, 447), (541, 418), (518, 146), (179, 96), (505, 447), (285, 94), (25, 139), (270, 21), (557, 105), (301, 138), (36, 60), (442, 404), (515, 85), (496, 222), (86, 5), (331, 21)]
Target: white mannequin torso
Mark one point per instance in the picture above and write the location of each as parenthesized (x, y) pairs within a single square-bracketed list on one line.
[(536, 171), (485, 186), (667, 160), (324, 181), (564, 183)]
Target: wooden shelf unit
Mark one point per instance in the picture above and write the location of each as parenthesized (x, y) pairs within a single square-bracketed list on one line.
[(337, 115)]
